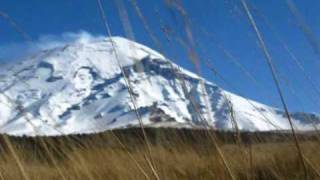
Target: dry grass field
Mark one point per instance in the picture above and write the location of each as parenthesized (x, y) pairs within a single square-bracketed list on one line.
[(176, 154)]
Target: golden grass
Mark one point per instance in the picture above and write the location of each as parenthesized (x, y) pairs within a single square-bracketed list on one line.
[(177, 154)]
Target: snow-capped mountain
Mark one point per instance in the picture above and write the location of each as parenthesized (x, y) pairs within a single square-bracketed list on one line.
[(80, 88)]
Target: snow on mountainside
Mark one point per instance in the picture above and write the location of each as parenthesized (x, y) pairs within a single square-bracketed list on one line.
[(79, 88)]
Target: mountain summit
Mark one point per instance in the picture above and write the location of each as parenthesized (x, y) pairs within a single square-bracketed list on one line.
[(80, 88)]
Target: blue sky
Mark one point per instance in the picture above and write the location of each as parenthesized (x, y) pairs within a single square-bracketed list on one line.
[(217, 26)]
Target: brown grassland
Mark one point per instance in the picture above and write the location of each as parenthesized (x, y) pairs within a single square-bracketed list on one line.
[(176, 154)]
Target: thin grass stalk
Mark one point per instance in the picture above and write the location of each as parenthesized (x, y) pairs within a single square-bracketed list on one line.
[(107, 28), (24, 35), (27, 38), (131, 156), (296, 61), (1, 176), (284, 44), (218, 74), (276, 81), (309, 34), (309, 163), (193, 56), (238, 138), (29, 121), (251, 161), (16, 158), (52, 159)]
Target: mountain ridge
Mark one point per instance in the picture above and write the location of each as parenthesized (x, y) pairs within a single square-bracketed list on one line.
[(80, 88)]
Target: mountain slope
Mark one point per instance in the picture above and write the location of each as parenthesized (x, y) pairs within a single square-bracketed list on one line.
[(80, 88)]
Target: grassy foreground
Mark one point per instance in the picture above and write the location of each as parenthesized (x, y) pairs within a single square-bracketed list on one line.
[(176, 154)]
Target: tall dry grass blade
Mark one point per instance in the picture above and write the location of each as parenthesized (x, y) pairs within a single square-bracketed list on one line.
[(23, 113), (176, 4), (276, 81), (28, 120), (24, 35), (52, 159), (160, 48), (311, 37), (211, 135), (219, 75), (229, 56), (194, 107), (234, 123), (27, 38), (124, 17), (174, 70), (131, 156), (285, 45), (16, 157), (195, 60), (83, 166), (309, 163), (68, 138), (145, 24), (1, 176), (108, 31), (239, 141)]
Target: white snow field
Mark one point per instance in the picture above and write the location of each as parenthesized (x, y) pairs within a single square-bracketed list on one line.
[(80, 88)]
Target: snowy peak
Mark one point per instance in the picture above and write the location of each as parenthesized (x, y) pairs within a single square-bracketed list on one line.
[(83, 88)]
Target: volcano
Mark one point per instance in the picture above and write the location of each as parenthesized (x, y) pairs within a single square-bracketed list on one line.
[(111, 83)]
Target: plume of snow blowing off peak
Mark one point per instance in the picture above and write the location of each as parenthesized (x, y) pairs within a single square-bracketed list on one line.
[(15, 51)]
